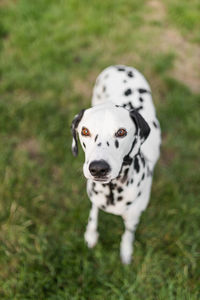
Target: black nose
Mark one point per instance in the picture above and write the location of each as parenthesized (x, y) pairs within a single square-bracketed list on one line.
[(99, 168)]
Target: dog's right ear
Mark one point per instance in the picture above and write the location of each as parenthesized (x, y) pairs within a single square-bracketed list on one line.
[(74, 126), (141, 125)]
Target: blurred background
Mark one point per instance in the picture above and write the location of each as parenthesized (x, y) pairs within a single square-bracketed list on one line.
[(50, 54)]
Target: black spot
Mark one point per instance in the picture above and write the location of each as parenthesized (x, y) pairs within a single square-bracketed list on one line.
[(143, 160), (131, 180), (99, 144), (120, 198), (103, 207), (116, 143), (133, 145), (130, 105), (96, 137), (74, 126), (108, 144), (143, 175), (136, 165), (139, 108), (128, 92), (93, 188), (120, 189), (143, 91), (110, 196), (125, 175), (139, 194), (124, 105), (116, 105), (138, 183), (130, 74), (127, 160), (141, 99), (155, 125), (128, 203), (127, 183), (84, 145), (104, 89), (120, 69), (104, 185)]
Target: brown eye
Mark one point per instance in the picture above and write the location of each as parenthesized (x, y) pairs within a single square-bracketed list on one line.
[(121, 133), (85, 131)]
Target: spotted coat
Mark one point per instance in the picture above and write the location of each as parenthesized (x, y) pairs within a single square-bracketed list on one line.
[(127, 192)]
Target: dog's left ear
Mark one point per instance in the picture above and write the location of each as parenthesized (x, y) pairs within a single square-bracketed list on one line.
[(74, 126), (141, 124)]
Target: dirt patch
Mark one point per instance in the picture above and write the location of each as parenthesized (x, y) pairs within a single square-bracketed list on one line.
[(130, 59), (3, 3), (82, 87), (57, 173), (32, 147), (158, 11), (7, 2), (167, 156), (187, 63), (169, 39)]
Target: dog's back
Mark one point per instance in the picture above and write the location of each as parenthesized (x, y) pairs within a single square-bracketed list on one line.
[(127, 87)]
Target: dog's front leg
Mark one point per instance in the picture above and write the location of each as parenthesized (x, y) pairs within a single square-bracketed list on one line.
[(91, 234), (126, 246)]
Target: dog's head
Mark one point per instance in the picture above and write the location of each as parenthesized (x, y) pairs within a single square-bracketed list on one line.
[(108, 134)]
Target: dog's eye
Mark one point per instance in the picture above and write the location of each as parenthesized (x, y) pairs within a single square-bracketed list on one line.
[(121, 133), (85, 131)]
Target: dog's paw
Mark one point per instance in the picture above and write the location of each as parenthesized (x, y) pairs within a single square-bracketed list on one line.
[(126, 258), (91, 238)]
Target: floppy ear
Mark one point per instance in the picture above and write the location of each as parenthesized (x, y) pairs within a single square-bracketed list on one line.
[(140, 123), (74, 126)]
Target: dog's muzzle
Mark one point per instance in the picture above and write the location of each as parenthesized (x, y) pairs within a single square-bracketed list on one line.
[(99, 169)]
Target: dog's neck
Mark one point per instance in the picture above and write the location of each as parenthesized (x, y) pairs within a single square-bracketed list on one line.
[(130, 166)]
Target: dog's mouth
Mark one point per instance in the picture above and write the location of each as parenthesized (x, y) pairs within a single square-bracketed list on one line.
[(105, 179), (100, 179)]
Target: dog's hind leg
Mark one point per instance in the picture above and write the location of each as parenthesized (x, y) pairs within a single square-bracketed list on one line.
[(91, 234)]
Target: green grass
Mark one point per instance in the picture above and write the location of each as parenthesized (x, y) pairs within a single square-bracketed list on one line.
[(51, 52)]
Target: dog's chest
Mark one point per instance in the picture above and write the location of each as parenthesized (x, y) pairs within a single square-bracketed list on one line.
[(117, 197)]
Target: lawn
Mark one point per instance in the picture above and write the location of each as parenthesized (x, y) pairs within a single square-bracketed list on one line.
[(50, 54)]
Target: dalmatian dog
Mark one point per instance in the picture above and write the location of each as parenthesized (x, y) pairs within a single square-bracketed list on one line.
[(121, 138)]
